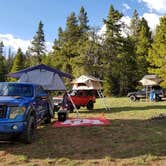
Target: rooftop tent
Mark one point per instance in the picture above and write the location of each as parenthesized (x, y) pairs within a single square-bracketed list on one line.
[(90, 83), (86, 83), (49, 78), (150, 80)]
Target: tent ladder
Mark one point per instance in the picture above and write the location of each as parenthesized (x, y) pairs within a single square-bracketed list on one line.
[(78, 115), (103, 101)]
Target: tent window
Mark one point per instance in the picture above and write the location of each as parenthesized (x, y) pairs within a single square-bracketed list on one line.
[(81, 84)]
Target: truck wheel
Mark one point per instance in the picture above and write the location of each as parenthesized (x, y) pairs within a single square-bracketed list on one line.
[(78, 107), (90, 105), (29, 132), (48, 118), (133, 98), (48, 115)]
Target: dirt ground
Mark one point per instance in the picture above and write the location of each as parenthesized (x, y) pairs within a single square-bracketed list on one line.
[(130, 139)]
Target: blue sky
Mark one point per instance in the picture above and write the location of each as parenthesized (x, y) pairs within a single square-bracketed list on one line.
[(19, 18)]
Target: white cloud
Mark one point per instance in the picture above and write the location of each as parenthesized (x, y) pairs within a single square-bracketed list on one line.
[(102, 31), (126, 6), (152, 19), (48, 46), (157, 5), (10, 41), (126, 20)]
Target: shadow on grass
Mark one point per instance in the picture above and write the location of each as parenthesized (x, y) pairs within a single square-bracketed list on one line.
[(121, 139), (128, 108)]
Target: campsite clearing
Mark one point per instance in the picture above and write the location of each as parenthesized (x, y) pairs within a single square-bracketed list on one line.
[(131, 139)]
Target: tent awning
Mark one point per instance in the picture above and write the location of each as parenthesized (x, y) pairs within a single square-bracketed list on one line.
[(41, 67), (49, 78)]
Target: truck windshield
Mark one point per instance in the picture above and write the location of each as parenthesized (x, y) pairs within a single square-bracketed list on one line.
[(13, 89)]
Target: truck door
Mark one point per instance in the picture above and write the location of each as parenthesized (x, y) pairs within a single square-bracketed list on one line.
[(41, 102)]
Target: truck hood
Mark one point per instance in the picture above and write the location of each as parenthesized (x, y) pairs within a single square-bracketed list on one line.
[(14, 100)]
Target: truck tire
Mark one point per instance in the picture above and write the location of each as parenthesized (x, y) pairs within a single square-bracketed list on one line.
[(133, 98), (48, 116), (48, 119), (29, 133), (78, 107), (90, 105), (157, 98)]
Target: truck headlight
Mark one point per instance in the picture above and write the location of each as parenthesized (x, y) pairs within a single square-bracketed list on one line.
[(14, 111)]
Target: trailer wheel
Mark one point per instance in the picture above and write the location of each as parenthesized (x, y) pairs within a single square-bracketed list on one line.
[(90, 105)]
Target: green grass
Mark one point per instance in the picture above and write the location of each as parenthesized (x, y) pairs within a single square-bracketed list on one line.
[(132, 138)]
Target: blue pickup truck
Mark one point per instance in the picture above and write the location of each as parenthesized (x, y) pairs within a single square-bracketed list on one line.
[(22, 107)]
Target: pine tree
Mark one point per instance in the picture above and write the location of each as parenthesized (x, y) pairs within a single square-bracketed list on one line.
[(134, 24), (60, 37), (38, 43), (19, 61), (140, 34), (56, 56), (9, 60), (143, 43), (2, 63), (29, 59), (113, 23), (112, 45), (157, 53), (72, 29), (133, 35), (126, 67), (1, 48), (65, 47), (58, 43), (88, 62), (83, 21)]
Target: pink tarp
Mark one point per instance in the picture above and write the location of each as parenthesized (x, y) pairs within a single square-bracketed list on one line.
[(82, 122)]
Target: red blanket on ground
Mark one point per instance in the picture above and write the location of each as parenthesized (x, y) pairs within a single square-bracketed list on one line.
[(82, 122)]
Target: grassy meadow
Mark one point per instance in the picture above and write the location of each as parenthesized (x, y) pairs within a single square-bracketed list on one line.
[(132, 138)]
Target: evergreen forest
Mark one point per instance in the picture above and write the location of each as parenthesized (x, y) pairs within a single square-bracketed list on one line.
[(120, 57)]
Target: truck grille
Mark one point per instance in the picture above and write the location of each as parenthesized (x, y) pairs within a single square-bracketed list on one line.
[(2, 111)]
